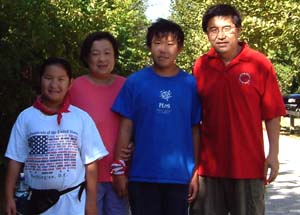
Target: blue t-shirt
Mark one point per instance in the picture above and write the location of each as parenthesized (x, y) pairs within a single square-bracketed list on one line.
[(163, 111)]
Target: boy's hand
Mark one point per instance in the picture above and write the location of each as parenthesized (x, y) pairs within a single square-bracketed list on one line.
[(120, 183), (193, 188)]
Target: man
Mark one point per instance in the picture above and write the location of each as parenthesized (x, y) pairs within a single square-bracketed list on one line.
[(238, 90)]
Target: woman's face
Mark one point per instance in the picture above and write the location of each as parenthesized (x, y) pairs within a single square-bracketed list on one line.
[(101, 59)]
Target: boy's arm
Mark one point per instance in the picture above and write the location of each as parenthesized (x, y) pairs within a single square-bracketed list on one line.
[(126, 153), (12, 175), (272, 162), (194, 186), (91, 188), (124, 138)]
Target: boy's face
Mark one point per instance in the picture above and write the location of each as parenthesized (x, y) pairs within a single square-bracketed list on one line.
[(101, 60), (164, 50), (223, 35), (55, 84)]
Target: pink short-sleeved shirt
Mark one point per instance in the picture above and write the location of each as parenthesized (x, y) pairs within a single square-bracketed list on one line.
[(97, 100)]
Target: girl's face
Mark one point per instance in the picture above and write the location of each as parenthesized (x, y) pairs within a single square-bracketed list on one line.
[(55, 84), (101, 60)]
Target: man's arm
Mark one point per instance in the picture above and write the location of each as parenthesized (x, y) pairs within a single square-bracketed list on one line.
[(124, 139), (91, 188), (194, 186), (12, 175), (272, 162)]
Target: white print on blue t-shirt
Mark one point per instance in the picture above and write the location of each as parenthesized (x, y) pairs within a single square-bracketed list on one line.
[(166, 94), (164, 107)]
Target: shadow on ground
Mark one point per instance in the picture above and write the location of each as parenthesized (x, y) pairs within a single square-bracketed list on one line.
[(283, 195)]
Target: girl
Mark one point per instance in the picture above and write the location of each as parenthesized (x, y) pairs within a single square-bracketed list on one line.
[(58, 145)]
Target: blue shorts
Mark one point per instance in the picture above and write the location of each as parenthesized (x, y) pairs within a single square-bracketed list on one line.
[(108, 202)]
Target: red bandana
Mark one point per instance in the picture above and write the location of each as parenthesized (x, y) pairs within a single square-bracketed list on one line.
[(63, 108)]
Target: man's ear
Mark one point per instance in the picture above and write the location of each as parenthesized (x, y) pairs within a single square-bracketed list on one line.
[(207, 37)]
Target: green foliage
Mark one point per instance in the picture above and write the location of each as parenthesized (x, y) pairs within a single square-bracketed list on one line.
[(32, 30), (271, 27), (188, 13)]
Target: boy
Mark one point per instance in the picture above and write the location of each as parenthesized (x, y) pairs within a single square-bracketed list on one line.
[(160, 110), (58, 144)]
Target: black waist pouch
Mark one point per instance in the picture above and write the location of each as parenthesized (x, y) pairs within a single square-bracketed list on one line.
[(42, 200)]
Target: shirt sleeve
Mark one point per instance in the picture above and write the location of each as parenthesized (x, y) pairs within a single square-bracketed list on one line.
[(123, 104), (272, 101), (17, 148), (92, 147)]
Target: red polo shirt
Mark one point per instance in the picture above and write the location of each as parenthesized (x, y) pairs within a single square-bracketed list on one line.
[(235, 99)]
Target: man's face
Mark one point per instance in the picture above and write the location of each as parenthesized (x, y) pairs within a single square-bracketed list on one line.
[(223, 35)]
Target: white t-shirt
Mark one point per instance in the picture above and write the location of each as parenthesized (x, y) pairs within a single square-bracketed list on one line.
[(55, 155)]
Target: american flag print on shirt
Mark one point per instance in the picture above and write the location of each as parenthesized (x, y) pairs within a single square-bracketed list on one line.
[(38, 145), (52, 154)]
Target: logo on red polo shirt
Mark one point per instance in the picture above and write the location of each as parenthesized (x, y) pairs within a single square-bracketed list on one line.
[(245, 78)]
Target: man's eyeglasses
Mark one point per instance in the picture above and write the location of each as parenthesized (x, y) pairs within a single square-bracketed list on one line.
[(214, 31)]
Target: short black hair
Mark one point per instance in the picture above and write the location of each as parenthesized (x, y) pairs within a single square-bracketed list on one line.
[(88, 42), (59, 62), (162, 27), (221, 10)]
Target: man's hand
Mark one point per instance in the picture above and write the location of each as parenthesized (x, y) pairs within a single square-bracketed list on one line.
[(271, 163)]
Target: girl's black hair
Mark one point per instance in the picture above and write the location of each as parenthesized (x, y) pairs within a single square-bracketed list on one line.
[(56, 61)]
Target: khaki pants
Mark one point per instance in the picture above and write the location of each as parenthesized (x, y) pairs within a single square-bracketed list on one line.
[(223, 196)]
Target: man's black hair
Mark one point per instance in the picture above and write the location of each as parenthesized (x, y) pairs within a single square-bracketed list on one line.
[(221, 10)]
